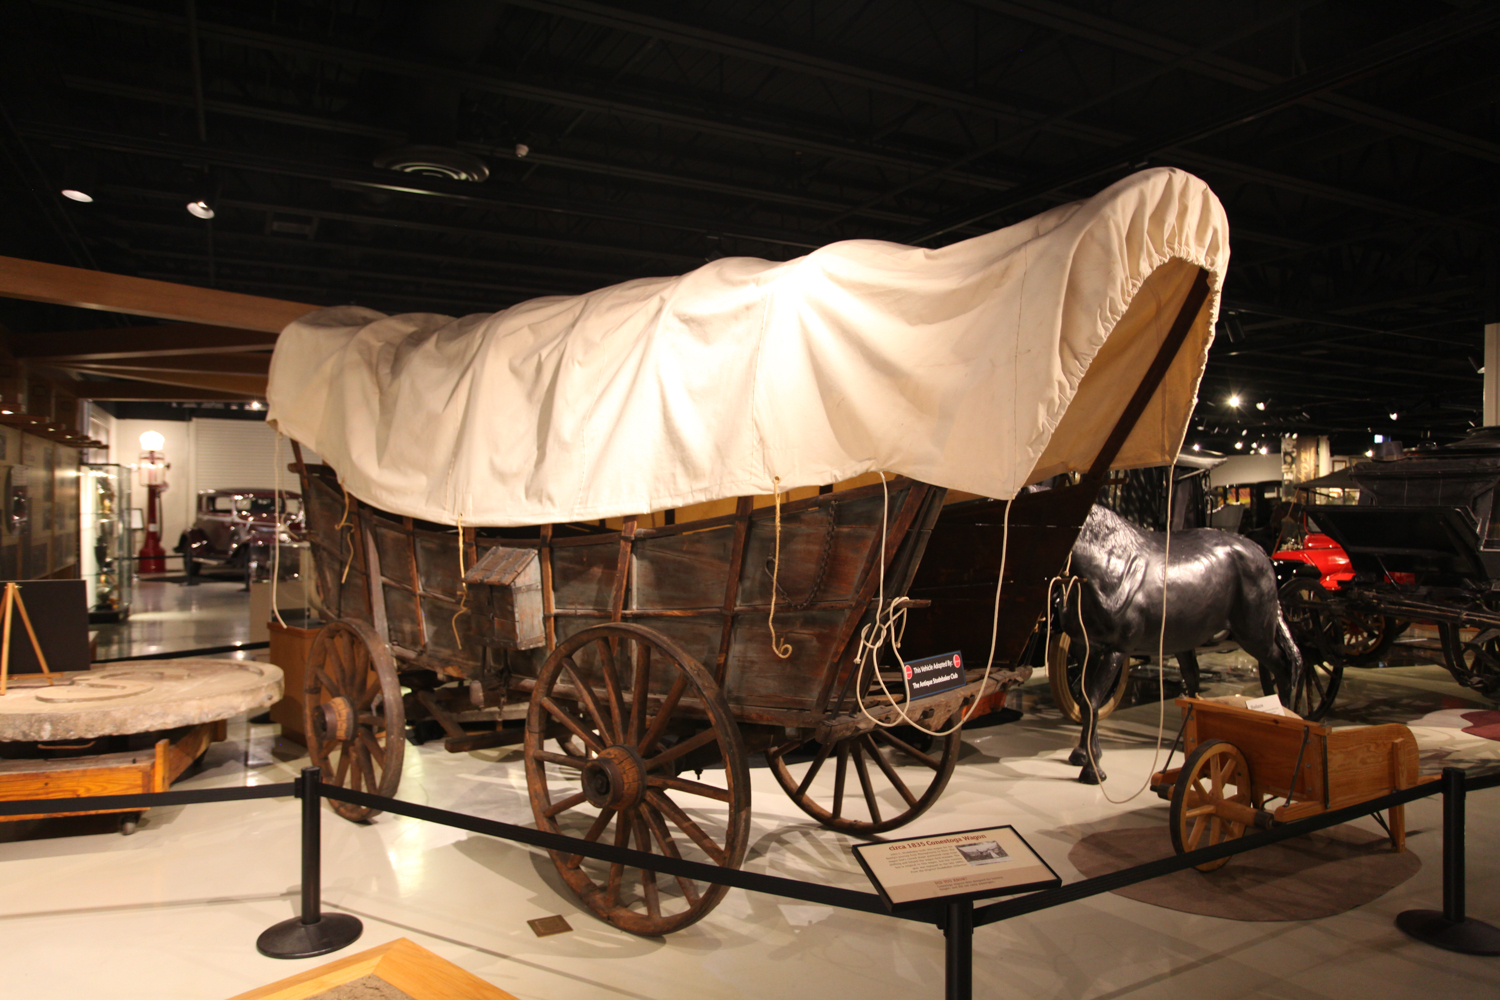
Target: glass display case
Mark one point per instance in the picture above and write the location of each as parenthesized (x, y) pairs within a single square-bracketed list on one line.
[(106, 563)]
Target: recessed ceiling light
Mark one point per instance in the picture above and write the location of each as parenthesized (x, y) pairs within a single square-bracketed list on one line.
[(1260, 406), (1234, 400), (200, 209), (1239, 445), (73, 194)]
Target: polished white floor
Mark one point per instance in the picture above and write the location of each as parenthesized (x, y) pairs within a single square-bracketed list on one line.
[(173, 911)]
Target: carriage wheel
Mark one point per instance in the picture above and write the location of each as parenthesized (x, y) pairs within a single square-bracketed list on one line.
[(1203, 787), (884, 798), (1474, 663), (638, 709), (1319, 635), (352, 713), (1065, 678), (1367, 637)]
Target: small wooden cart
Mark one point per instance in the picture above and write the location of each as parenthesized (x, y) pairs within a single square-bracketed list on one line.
[(1237, 759)]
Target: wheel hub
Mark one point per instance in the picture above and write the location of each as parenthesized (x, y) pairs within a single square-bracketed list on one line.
[(616, 779), (337, 720)]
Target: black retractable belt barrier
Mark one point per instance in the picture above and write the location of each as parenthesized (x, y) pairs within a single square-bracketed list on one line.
[(1449, 927), (317, 933), (314, 932)]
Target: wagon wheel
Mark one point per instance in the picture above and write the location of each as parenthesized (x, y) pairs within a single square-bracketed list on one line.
[(355, 723), (884, 798), (1367, 637), (1474, 663), (1319, 635), (1065, 678), (619, 768), (1203, 790)]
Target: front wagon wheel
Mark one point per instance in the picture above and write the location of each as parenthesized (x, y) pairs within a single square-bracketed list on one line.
[(631, 710)]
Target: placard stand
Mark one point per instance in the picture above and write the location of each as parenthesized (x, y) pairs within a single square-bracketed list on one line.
[(954, 869), (12, 602)]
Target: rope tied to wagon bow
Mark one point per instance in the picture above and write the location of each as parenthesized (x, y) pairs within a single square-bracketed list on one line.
[(783, 650), (463, 600)]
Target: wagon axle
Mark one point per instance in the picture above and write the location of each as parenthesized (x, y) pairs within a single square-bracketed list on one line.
[(616, 779)]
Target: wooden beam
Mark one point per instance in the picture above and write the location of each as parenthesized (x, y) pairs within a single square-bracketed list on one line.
[(251, 386), (231, 364), (138, 342), (84, 289), (129, 390)]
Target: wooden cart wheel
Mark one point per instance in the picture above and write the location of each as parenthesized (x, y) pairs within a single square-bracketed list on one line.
[(1473, 662), (1065, 678), (1367, 637), (895, 782), (1319, 635), (1213, 776), (352, 713), (639, 709)]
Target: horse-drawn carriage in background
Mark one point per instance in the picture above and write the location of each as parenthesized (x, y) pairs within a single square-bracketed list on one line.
[(1423, 545), (574, 506)]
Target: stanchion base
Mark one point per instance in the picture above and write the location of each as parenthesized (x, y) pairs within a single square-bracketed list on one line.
[(294, 939), (1469, 936)]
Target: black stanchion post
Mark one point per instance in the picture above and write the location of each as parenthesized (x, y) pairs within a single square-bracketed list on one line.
[(1449, 928), (958, 928), (314, 932), (189, 577)]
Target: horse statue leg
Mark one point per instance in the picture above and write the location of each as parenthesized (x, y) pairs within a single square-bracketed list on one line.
[(1187, 665), (1099, 679)]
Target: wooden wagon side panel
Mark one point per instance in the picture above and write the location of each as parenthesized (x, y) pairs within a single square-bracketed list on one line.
[(339, 554), (1370, 761), (1274, 746)]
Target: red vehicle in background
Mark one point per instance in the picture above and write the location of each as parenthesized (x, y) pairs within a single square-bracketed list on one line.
[(1323, 552)]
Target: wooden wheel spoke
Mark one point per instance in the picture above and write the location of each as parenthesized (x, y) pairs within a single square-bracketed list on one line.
[(658, 828), (322, 676), (367, 699), (367, 768), (341, 773), (587, 699), (595, 831), (1207, 810), (888, 770), (640, 687), (812, 771), (608, 650), (570, 724), (864, 782), (1198, 826), (368, 741), (355, 774), (648, 877), (577, 763), (685, 747), (840, 774), (563, 805), (683, 822), (690, 787), (906, 748), (616, 870), (663, 716)]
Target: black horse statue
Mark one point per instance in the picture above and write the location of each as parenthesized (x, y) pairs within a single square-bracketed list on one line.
[(1216, 581)]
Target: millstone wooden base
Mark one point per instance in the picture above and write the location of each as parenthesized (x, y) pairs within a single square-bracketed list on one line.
[(402, 963), (126, 773)]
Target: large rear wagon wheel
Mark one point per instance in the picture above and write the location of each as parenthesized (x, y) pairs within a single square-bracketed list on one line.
[(637, 708), (869, 783), (1065, 678), (1319, 635), (352, 713)]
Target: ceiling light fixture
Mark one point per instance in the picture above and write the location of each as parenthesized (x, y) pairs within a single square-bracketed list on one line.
[(436, 161), (199, 208), (1197, 447), (1394, 416), (1238, 445), (1234, 400), (1260, 406)]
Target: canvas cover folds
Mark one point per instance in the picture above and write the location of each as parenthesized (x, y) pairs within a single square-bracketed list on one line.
[(980, 366)]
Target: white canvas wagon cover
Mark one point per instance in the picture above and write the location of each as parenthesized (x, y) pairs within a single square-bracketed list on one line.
[(981, 366)]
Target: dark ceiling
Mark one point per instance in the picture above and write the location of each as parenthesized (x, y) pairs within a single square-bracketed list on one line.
[(1353, 143)]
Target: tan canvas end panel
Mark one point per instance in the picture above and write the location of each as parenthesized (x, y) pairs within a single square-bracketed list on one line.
[(1118, 369)]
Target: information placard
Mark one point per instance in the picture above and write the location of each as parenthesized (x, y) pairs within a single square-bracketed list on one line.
[(969, 864), (934, 674)]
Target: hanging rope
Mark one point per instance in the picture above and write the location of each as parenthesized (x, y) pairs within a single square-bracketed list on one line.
[(889, 627), (339, 527), (783, 650), (276, 537), (463, 600)]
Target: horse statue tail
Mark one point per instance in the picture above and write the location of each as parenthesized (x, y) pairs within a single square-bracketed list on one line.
[(1289, 649)]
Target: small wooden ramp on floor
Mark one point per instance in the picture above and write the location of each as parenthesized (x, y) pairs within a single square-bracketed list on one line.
[(412, 970)]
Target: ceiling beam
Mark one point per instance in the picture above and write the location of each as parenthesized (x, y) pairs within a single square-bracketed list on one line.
[(137, 342), (134, 391), (658, 109), (83, 289), (1372, 58), (1126, 38), (206, 364)]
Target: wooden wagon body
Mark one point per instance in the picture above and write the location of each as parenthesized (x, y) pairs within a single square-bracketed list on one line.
[(1236, 759)]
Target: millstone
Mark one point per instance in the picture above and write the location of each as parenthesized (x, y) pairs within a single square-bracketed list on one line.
[(145, 696)]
